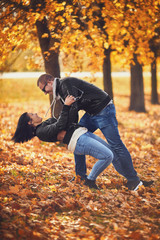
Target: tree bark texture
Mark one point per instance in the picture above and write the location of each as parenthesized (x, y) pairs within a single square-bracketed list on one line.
[(107, 78), (154, 93), (51, 57), (137, 89)]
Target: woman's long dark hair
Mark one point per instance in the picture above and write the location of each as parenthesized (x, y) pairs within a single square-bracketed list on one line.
[(24, 131)]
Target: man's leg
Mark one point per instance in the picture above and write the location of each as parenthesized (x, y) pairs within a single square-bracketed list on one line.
[(127, 170), (123, 163), (117, 164), (106, 121)]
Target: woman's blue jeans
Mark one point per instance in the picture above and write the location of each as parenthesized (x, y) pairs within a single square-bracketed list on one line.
[(90, 144), (106, 121)]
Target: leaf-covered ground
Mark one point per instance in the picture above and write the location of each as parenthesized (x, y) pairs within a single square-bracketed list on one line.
[(37, 200)]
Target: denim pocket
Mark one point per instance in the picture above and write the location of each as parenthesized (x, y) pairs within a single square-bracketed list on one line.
[(106, 117)]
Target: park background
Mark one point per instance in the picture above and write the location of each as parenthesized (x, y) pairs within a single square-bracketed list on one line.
[(114, 45)]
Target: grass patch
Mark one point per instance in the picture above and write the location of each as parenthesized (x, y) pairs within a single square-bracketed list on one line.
[(20, 90), (26, 90)]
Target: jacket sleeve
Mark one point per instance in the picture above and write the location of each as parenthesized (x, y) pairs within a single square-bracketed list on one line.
[(49, 130), (69, 89)]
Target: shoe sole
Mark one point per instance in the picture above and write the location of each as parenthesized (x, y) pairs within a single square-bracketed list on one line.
[(140, 184)]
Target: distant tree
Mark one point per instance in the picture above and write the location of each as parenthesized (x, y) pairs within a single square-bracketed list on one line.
[(137, 87), (98, 26), (154, 92), (127, 27), (19, 21), (50, 55), (107, 77), (155, 48), (9, 62), (140, 20)]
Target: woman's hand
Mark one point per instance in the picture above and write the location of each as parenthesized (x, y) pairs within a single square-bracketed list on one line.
[(69, 100)]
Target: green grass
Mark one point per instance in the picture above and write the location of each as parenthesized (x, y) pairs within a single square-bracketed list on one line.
[(26, 90), (20, 90)]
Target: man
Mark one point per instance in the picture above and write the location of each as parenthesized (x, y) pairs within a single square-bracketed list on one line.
[(100, 113)]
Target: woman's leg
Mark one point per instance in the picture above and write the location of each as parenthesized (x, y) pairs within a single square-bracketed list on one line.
[(88, 145), (80, 160)]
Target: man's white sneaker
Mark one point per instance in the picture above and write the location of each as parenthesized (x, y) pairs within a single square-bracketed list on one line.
[(134, 185)]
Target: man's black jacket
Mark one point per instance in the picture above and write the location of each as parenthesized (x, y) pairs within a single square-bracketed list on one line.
[(88, 97)]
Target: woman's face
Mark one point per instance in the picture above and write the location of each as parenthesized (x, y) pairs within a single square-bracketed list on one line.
[(35, 119)]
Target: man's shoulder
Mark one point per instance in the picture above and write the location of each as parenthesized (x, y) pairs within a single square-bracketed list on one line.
[(70, 79)]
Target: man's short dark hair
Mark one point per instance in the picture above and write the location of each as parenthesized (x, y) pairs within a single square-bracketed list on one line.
[(44, 78)]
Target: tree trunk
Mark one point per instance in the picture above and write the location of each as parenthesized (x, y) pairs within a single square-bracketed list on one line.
[(107, 79), (51, 61), (154, 93), (137, 89)]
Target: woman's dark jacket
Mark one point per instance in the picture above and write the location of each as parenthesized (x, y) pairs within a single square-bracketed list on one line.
[(47, 131), (88, 97)]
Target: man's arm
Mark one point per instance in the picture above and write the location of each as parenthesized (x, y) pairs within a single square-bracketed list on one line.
[(47, 131), (69, 89)]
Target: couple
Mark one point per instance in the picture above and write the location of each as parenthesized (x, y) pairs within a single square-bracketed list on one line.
[(75, 95)]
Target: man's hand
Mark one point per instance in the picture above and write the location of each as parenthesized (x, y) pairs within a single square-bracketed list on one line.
[(69, 100), (61, 135)]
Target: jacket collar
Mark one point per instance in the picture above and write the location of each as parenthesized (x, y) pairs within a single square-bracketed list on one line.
[(55, 89)]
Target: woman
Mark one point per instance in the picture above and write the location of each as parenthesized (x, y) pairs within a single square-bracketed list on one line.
[(78, 139)]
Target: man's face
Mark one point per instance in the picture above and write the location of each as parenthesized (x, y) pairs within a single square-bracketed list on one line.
[(46, 88)]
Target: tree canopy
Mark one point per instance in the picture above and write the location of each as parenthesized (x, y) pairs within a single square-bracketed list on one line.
[(128, 26)]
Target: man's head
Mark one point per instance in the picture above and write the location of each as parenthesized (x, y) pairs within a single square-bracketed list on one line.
[(45, 83)]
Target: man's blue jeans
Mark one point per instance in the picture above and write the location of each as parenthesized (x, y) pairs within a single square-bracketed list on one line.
[(106, 121), (90, 144)]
